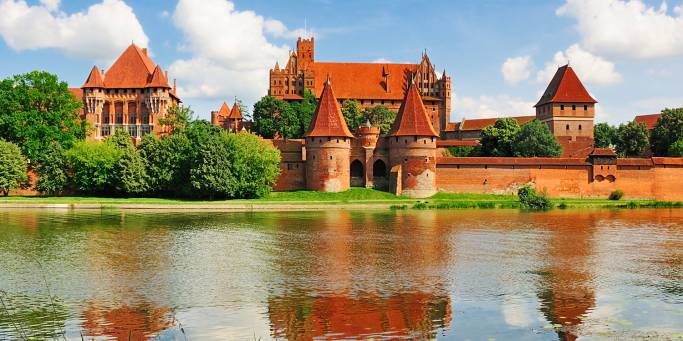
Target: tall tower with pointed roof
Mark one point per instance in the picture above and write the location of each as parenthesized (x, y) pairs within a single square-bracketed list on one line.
[(328, 146), (412, 148), (567, 107)]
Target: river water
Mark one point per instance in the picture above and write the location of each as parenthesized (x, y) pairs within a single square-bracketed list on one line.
[(407, 274)]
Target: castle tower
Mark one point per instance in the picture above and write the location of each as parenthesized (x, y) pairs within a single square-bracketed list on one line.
[(328, 146), (305, 49), (367, 138), (93, 97), (566, 107), (412, 149)]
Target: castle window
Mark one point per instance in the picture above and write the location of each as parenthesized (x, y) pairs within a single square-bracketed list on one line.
[(579, 127), (396, 138), (406, 141), (330, 157), (289, 166), (329, 139), (562, 107), (585, 108), (415, 138), (567, 126), (574, 107)]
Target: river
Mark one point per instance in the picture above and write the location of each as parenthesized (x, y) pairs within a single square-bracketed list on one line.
[(405, 274)]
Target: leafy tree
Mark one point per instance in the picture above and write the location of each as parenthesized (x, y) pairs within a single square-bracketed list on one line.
[(94, 166), (212, 175), (676, 149), (167, 163), (273, 116), (246, 114), (177, 117), (536, 140), (461, 151), (353, 114), (51, 171), (497, 140), (37, 109), (12, 167), (130, 173), (304, 111), (120, 139), (632, 139), (667, 130), (605, 135), (380, 116)]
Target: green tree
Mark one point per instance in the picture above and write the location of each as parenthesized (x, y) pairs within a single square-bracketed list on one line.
[(93, 167), (605, 135), (353, 114), (273, 116), (380, 116), (167, 163), (667, 130), (676, 149), (130, 174), (177, 117), (632, 139), (12, 167), (51, 171), (461, 151), (246, 114), (304, 111), (536, 140), (497, 139), (37, 109)]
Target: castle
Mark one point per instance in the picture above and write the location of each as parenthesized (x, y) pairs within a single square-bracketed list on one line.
[(133, 95)]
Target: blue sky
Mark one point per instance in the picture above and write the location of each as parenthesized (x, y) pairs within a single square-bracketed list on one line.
[(500, 54)]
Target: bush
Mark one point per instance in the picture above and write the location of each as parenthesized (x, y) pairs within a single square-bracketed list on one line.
[(93, 167), (51, 171), (461, 151), (12, 167), (676, 149), (167, 163), (529, 199), (616, 195), (130, 172)]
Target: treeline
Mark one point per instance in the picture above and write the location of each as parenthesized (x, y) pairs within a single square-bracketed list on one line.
[(506, 138), (632, 139), (275, 117)]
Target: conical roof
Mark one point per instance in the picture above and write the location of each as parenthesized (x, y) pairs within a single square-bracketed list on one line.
[(224, 111), (157, 79), (328, 119), (94, 79), (412, 119), (565, 87), (235, 113)]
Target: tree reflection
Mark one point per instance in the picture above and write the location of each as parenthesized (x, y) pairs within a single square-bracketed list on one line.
[(140, 322)]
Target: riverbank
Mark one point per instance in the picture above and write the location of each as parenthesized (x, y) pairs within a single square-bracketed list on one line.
[(354, 199)]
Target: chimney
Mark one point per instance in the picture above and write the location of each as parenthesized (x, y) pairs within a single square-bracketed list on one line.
[(144, 50)]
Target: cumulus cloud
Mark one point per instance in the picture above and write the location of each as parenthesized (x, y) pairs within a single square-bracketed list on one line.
[(589, 67), (516, 69), (492, 106), (230, 46), (99, 33), (630, 29)]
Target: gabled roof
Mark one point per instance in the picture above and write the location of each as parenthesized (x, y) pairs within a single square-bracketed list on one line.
[(328, 119), (565, 87), (157, 79), (365, 80), (412, 119), (648, 120), (131, 69), (235, 113), (224, 111), (94, 79), (481, 123)]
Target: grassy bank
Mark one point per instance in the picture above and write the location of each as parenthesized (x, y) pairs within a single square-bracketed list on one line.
[(355, 196)]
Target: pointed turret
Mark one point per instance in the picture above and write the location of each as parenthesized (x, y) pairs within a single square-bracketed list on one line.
[(94, 79), (412, 119), (224, 111), (235, 113), (565, 87), (328, 120), (158, 79), (277, 66)]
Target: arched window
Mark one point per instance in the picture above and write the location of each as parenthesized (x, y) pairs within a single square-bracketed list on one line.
[(579, 127), (379, 169), (567, 126)]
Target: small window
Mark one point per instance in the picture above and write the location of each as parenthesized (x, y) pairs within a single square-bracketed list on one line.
[(330, 157), (562, 107), (579, 127), (574, 107), (585, 108), (567, 126)]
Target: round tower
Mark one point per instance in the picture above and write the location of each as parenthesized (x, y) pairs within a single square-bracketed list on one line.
[(412, 149), (328, 147)]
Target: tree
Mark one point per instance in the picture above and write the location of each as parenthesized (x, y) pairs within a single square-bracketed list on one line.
[(177, 117), (273, 116), (12, 167), (37, 109), (461, 151), (632, 139), (246, 114), (676, 149), (167, 163), (93, 166), (51, 171), (605, 135), (496, 140), (130, 174), (353, 114), (536, 140), (380, 116), (667, 130), (304, 111)]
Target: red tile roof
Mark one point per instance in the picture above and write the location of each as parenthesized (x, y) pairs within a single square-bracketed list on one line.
[(94, 79), (481, 123), (224, 111), (412, 119), (78, 92), (648, 120), (157, 79), (365, 80), (511, 161), (565, 87), (235, 113), (328, 119), (131, 70)]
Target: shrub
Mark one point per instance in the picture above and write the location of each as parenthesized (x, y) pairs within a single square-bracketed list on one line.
[(461, 151), (616, 195), (12, 167), (529, 199), (51, 171), (93, 167), (130, 175), (676, 149)]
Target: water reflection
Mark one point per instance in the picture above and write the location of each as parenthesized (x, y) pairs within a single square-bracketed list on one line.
[(140, 322)]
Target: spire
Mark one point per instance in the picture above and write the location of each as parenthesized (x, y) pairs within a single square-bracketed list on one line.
[(94, 79), (565, 87), (158, 79), (224, 111), (412, 119), (235, 113), (277, 66), (328, 120)]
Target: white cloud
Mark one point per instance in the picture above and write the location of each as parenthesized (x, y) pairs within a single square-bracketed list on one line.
[(492, 106), (277, 29), (516, 69), (631, 29), (589, 67), (230, 53), (99, 33)]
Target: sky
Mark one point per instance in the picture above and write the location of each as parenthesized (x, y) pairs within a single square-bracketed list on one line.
[(500, 54)]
